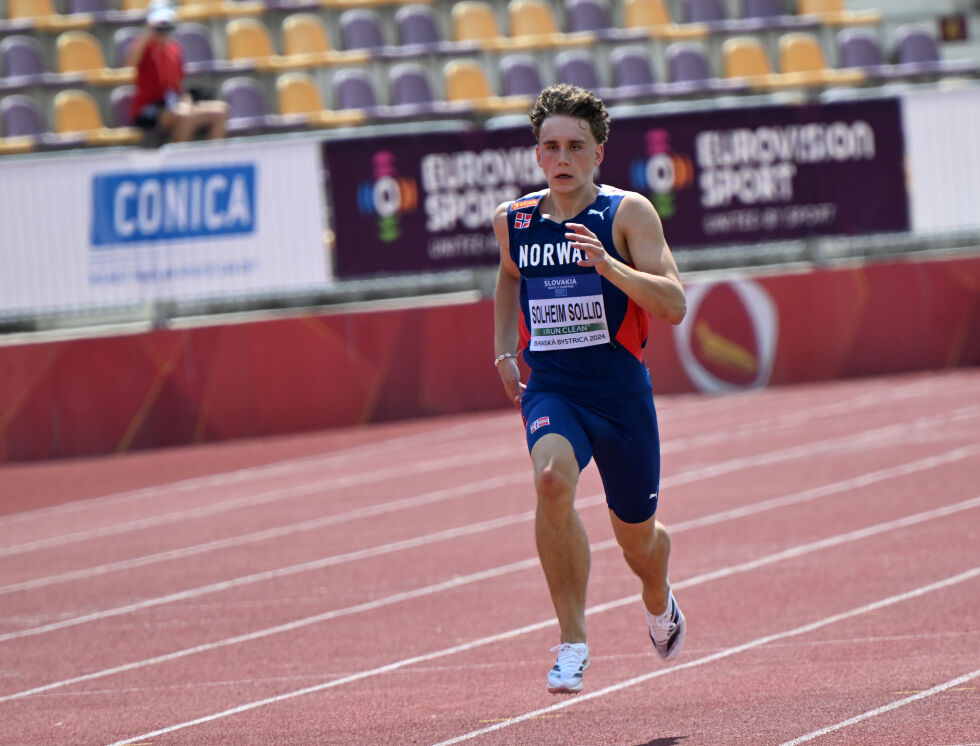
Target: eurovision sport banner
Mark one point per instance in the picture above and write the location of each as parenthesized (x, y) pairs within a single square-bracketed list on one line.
[(748, 175), (425, 202)]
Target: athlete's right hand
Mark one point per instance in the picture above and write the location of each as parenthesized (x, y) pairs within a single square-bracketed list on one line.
[(510, 375)]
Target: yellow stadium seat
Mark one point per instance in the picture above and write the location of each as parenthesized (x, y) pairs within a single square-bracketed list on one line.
[(533, 25), (76, 112), (80, 52), (834, 13), (16, 145), (466, 82), (744, 57), (802, 62), (475, 21), (202, 10), (305, 42), (348, 4), (300, 99), (249, 39), (654, 17), (45, 16)]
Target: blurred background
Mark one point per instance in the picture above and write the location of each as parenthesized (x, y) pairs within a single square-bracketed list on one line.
[(331, 261)]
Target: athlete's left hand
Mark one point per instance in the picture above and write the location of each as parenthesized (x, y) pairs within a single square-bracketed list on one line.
[(581, 238)]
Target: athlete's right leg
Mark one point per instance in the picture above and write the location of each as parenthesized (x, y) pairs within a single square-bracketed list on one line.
[(563, 546)]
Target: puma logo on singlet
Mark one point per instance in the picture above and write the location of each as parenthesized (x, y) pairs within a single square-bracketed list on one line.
[(600, 213)]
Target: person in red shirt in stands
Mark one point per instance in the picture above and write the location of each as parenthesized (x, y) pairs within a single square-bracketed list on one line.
[(160, 101)]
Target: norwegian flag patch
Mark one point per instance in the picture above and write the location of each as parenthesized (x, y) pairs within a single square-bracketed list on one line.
[(522, 220), (540, 422)]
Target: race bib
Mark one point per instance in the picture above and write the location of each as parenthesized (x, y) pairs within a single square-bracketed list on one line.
[(566, 312)]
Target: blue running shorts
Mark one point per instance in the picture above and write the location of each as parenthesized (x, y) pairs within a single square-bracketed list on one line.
[(619, 432)]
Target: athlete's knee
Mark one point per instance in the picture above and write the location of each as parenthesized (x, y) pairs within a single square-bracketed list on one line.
[(637, 547), (553, 484), (643, 543)]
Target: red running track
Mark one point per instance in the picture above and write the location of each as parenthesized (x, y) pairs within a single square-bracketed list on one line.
[(379, 585)]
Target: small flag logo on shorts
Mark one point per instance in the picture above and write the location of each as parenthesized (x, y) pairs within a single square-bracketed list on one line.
[(540, 422)]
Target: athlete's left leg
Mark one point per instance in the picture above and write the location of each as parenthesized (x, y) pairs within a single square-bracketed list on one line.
[(646, 549)]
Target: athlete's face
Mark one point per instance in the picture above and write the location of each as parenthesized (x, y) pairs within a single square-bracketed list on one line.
[(567, 152)]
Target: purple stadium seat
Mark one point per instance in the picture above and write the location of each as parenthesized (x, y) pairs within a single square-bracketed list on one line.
[(22, 66), (763, 9), (418, 24), (122, 38), (859, 47), (520, 75), (915, 45), (689, 71), (195, 40), (596, 16), (119, 105), (757, 15), (704, 11), (103, 12), (917, 51), (632, 66), (577, 67), (412, 94), (588, 15), (633, 73), (410, 85), (22, 57), (355, 88), (362, 28), (248, 113), (917, 54), (687, 63), (19, 117)]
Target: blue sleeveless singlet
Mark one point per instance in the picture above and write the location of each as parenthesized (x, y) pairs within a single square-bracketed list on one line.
[(577, 328)]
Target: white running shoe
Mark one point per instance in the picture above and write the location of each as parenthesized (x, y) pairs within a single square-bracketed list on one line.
[(667, 630), (566, 676)]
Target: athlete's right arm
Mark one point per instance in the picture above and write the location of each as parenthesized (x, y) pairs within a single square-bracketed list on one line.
[(506, 310)]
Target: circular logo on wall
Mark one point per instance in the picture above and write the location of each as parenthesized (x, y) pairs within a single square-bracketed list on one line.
[(727, 341)]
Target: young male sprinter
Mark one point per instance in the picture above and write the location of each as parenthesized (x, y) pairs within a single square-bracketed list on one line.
[(581, 268)]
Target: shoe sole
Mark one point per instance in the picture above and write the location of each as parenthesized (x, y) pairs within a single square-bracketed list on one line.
[(565, 688)]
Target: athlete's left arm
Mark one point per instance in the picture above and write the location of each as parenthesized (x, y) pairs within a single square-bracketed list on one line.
[(649, 275)]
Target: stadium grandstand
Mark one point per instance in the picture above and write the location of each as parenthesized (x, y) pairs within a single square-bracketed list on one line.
[(336, 75)]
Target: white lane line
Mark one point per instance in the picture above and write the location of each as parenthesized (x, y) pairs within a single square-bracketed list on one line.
[(871, 398), (938, 689), (529, 563), (281, 572), (962, 577), (262, 498), (862, 480), (727, 653), (867, 438), (458, 532), (341, 457), (385, 508)]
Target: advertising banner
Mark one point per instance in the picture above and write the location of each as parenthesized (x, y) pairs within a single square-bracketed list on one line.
[(771, 173), (941, 126), (421, 202), (424, 202), (178, 224)]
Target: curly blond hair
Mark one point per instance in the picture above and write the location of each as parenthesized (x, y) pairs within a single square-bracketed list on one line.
[(571, 101)]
